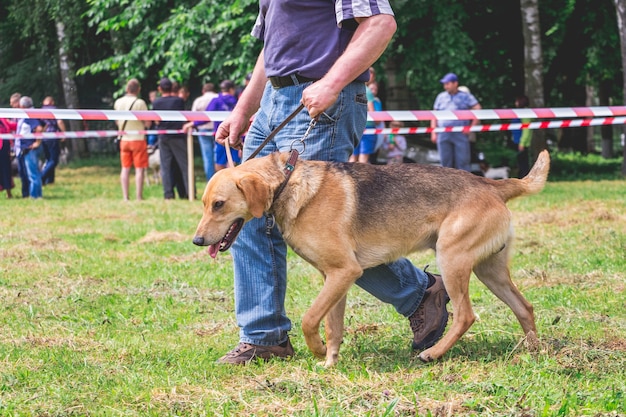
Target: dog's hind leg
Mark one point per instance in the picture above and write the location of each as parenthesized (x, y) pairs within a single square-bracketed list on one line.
[(455, 274), (494, 273)]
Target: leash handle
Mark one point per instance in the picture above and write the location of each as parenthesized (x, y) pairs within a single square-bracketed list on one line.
[(231, 164)]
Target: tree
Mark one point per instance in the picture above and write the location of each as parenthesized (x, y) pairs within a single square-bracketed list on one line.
[(620, 7), (188, 41), (533, 65)]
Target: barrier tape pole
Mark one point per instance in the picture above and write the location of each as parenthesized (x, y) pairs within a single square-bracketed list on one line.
[(191, 180)]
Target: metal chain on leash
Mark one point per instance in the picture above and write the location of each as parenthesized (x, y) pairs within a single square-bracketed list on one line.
[(290, 165)]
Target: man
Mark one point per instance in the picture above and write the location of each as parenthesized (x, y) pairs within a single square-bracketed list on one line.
[(454, 147), (173, 148), (133, 147), (51, 147), (206, 141), (28, 150), (322, 63)]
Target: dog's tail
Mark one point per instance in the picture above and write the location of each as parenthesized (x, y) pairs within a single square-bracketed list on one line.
[(531, 183)]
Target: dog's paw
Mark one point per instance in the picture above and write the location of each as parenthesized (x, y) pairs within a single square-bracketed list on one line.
[(426, 356), (532, 341)]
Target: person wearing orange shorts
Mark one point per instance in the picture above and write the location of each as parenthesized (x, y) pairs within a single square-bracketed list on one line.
[(133, 147)]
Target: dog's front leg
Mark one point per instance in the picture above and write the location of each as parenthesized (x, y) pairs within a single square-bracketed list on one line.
[(332, 297)]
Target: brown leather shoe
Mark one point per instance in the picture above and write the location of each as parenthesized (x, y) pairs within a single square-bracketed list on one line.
[(430, 319), (245, 353)]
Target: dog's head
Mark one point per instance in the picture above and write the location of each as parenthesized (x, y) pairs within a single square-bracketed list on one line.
[(232, 197)]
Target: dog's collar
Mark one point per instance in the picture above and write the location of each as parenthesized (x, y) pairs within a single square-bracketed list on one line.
[(290, 165)]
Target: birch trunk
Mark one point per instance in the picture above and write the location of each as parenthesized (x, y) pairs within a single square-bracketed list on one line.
[(620, 8), (533, 65), (70, 92)]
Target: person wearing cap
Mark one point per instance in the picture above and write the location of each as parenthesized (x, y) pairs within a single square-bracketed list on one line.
[(453, 147), (173, 148)]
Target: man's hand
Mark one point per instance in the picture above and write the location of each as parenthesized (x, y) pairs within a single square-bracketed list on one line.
[(231, 129), (187, 126), (318, 97)]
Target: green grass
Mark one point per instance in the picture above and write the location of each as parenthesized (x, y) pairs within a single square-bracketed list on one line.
[(108, 309)]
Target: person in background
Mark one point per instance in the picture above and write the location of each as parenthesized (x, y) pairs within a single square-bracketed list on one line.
[(173, 148), (395, 144), (454, 147), (133, 147), (6, 174), (28, 150), (183, 92), (206, 139), (378, 106), (225, 101), (319, 57), (51, 147), (246, 81), (152, 139), (367, 145)]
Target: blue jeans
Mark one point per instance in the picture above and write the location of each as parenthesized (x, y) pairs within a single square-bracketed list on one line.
[(21, 170), (260, 254), (207, 145), (51, 149), (31, 165), (454, 150)]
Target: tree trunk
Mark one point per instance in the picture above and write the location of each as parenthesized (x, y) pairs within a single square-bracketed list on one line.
[(606, 131), (533, 66), (70, 93), (590, 100), (398, 95), (620, 8)]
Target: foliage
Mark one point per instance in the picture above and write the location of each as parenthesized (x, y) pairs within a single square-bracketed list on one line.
[(29, 49), (190, 42), (571, 166)]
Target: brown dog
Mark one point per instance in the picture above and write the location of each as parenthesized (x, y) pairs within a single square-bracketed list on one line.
[(345, 217)]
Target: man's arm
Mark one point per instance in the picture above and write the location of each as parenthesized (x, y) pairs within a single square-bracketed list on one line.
[(367, 44), (476, 106)]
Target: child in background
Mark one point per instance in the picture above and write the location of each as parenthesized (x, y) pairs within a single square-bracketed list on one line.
[(395, 144)]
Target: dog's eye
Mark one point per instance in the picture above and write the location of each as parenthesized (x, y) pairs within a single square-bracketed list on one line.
[(218, 205)]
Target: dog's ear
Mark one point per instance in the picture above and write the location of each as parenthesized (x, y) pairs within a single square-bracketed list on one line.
[(256, 192)]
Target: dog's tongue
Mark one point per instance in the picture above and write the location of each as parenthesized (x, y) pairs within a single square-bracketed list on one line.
[(213, 249)]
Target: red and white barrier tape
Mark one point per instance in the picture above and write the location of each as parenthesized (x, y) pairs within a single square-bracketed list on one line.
[(553, 124), (404, 115), (90, 134)]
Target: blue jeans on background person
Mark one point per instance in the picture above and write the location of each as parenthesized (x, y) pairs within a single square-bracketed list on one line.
[(51, 150), (260, 254), (454, 150), (207, 145), (21, 170), (31, 165)]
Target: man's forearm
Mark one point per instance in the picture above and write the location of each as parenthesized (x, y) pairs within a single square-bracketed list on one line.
[(250, 99), (368, 43)]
